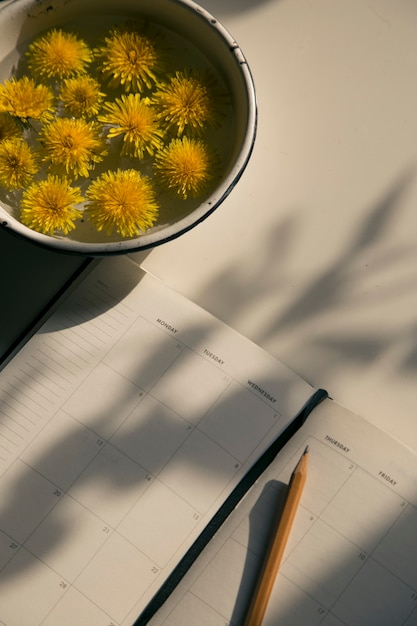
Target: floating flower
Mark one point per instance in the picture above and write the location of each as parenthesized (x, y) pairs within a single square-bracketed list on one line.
[(185, 166), (17, 163), (81, 96), (47, 206), (9, 127), (134, 118), (123, 200), (72, 146), (188, 102), (58, 55), (128, 58), (24, 99)]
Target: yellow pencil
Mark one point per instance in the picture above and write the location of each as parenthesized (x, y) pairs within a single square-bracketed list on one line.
[(276, 549)]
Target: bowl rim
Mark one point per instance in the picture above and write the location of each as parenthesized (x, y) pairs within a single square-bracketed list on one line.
[(164, 234)]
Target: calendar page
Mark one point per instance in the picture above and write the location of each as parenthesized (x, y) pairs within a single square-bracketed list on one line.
[(125, 422), (352, 554)]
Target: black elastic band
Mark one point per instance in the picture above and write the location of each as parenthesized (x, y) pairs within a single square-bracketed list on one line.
[(227, 507)]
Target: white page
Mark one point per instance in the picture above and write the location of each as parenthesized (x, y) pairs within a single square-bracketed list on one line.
[(124, 424), (351, 558)]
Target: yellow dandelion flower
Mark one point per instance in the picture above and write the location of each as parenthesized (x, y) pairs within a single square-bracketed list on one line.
[(128, 58), (24, 99), (188, 102), (134, 119), (72, 146), (9, 127), (81, 96), (58, 54), (48, 206), (185, 166), (123, 200), (17, 163)]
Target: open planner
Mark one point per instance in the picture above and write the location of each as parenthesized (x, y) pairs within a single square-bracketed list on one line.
[(127, 423), (145, 447)]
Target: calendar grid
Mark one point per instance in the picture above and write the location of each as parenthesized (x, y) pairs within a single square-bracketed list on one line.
[(339, 566), (131, 450)]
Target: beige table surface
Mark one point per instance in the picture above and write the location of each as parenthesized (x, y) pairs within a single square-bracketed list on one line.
[(314, 254)]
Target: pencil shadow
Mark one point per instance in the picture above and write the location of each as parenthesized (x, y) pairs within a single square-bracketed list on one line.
[(259, 528)]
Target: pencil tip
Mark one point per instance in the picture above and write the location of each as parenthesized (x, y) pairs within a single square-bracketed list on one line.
[(306, 450)]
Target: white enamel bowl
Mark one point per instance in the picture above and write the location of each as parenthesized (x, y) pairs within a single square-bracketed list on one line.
[(22, 20)]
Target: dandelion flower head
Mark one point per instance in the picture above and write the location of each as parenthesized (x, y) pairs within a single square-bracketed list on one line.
[(24, 99), (134, 119), (48, 206), (185, 166), (9, 127), (81, 96), (122, 200), (128, 58), (72, 146), (58, 54), (188, 102), (18, 163)]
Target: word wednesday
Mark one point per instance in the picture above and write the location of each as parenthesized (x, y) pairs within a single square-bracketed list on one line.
[(262, 391)]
